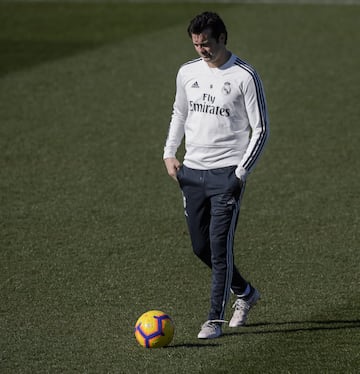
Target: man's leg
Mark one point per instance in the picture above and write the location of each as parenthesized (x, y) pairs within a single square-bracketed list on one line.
[(222, 259), (197, 212), (225, 206)]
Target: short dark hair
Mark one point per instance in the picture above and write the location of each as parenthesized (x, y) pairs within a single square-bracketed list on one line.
[(208, 20)]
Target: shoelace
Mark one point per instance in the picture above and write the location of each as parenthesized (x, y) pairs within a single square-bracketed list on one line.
[(215, 321), (241, 304)]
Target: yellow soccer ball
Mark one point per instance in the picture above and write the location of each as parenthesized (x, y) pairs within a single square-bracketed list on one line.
[(154, 329)]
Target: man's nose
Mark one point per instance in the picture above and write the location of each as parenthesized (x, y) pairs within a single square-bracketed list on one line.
[(201, 49)]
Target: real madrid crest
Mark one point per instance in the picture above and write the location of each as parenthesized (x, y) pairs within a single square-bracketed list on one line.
[(226, 89)]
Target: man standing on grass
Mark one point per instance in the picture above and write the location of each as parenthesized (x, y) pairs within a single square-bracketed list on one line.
[(220, 108)]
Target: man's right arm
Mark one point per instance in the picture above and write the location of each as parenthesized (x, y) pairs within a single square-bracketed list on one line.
[(176, 129)]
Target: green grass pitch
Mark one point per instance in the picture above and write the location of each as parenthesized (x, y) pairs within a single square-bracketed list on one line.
[(92, 232)]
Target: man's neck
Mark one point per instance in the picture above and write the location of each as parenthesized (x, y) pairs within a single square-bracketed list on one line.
[(221, 61)]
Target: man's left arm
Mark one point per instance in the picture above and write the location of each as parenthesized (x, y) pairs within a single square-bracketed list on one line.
[(256, 108)]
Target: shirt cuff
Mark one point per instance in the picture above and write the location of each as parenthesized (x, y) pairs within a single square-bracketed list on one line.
[(241, 173)]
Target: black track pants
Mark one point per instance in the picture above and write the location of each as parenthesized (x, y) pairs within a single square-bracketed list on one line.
[(212, 204)]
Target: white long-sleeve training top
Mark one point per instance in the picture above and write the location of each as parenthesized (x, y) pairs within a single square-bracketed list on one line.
[(222, 113)]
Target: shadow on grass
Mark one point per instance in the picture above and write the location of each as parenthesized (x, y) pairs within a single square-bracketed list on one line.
[(277, 328), (19, 55), (192, 345), (32, 33), (295, 326)]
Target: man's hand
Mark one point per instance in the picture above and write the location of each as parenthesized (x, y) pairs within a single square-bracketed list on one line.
[(172, 166)]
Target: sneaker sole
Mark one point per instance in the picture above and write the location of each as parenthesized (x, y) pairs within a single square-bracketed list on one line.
[(209, 336)]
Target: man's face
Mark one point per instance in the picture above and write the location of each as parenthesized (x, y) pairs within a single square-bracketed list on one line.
[(208, 48)]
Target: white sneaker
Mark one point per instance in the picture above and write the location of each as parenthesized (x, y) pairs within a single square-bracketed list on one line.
[(242, 308), (210, 329)]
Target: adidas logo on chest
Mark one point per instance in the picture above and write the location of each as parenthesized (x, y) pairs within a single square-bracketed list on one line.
[(195, 85)]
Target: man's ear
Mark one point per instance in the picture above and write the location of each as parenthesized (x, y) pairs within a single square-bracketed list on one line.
[(222, 38)]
